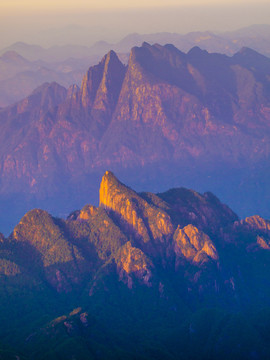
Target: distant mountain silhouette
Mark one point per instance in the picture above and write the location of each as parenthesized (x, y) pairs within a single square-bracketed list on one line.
[(19, 76)]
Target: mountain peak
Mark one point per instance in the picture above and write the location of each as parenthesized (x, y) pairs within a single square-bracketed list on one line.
[(252, 60), (101, 85), (46, 96), (47, 86), (248, 52), (112, 55), (196, 50), (146, 45), (13, 56), (73, 89), (113, 68), (109, 186), (109, 176), (145, 220), (108, 91)]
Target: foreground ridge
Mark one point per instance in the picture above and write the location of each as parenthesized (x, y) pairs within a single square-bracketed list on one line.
[(176, 258)]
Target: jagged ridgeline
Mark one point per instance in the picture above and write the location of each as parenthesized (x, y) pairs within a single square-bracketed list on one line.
[(167, 117), (174, 275)]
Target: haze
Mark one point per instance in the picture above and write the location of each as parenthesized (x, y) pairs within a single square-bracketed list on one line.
[(83, 22)]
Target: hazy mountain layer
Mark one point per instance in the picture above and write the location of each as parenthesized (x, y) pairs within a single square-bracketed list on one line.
[(64, 64), (19, 76), (255, 36)]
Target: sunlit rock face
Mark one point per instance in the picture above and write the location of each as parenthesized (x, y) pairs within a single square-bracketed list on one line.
[(146, 220), (133, 263), (177, 243), (178, 264), (263, 243), (256, 222), (194, 245), (256, 229), (88, 212), (130, 234)]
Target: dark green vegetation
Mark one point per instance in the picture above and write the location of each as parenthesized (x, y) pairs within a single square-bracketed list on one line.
[(175, 275)]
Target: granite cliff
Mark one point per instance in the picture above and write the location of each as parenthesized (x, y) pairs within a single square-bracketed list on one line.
[(153, 265)]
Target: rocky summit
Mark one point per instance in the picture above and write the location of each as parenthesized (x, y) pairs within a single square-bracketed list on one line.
[(169, 275), (165, 118)]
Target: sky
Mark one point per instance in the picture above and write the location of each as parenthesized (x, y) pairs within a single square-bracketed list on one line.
[(52, 5), (59, 22)]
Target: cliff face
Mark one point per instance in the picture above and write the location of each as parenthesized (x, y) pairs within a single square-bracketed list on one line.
[(179, 229), (99, 92), (256, 223), (139, 237), (137, 257), (164, 106), (194, 245), (132, 261), (146, 220)]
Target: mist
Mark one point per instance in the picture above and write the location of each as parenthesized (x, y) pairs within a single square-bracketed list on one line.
[(85, 28)]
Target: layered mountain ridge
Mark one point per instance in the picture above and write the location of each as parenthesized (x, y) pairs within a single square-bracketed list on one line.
[(178, 114), (172, 227), (177, 252)]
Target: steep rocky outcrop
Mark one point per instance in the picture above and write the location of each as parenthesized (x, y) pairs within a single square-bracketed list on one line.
[(110, 85), (167, 117), (263, 243), (98, 95), (256, 223), (138, 237), (194, 245), (133, 263), (178, 262), (253, 232), (146, 220)]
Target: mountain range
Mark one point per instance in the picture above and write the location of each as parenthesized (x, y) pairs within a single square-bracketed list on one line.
[(166, 118), (142, 276), (20, 76), (66, 64), (255, 36)]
